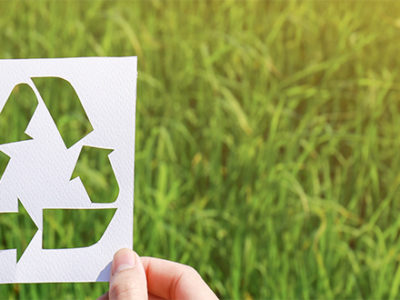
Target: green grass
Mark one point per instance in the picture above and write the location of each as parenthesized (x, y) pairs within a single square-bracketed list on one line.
[(268, 137)]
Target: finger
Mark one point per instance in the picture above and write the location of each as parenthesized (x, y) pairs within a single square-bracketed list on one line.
[(170, 280), (128, 279), (152, 297)]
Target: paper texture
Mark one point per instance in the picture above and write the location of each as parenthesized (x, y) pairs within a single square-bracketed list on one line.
[(40, 169)]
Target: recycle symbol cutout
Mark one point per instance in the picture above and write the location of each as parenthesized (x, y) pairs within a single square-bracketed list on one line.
[(93, 166)]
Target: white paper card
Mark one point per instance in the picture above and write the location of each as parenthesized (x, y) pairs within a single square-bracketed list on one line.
[(39, 170)]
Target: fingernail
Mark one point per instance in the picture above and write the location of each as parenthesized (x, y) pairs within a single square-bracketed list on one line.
[(124, 259)]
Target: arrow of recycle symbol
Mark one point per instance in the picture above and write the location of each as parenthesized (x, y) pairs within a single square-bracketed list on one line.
[(93, 166)]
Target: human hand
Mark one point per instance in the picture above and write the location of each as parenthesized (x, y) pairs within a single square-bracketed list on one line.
[(134, 277)]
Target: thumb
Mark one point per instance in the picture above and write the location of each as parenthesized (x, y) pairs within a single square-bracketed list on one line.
[(128, 278)]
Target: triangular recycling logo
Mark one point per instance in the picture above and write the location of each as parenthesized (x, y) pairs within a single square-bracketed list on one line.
[(67, 131)]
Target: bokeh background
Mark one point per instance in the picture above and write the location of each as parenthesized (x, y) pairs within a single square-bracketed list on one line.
[(267, 137)]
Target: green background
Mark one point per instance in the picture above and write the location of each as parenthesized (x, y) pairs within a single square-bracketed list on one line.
[(267, 137)]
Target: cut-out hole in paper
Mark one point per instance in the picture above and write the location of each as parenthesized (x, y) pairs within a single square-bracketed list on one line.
[(65, 108), (4, 159), (16, 114), (16, 230), (96, 173), (74, 228)]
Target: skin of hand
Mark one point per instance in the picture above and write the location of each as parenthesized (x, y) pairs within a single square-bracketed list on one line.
[(134, 277)]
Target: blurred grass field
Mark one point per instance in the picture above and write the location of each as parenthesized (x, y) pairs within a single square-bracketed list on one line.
[(267, 143)]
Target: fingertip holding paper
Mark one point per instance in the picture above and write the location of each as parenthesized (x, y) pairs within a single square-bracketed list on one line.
[(39, 167)]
